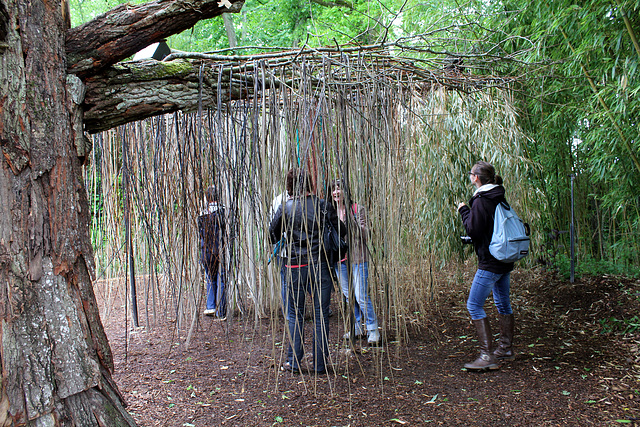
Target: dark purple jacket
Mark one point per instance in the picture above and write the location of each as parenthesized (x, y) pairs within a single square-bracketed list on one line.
[(477, 218), (211, 227)]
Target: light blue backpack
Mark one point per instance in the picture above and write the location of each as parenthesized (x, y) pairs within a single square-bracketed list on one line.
[(510, 239)]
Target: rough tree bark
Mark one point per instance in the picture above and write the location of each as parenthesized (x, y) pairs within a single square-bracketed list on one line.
[(55, 360), (123, 31), (137, 90)]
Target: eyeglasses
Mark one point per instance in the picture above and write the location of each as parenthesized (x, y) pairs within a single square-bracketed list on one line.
[(471, 173)]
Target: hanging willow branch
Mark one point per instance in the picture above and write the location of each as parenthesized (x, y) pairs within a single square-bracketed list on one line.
[(136, 90), (389, 128)]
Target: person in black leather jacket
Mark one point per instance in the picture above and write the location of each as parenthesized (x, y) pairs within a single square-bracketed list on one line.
[(492, 275), (302, 220)]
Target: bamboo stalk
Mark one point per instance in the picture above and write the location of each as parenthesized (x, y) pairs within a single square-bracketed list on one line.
[(626, 143)]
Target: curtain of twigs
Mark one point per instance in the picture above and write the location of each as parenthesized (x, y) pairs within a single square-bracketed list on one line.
[(403, 147)]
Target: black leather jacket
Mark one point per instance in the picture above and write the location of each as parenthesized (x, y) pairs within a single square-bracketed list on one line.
[(302, 221)]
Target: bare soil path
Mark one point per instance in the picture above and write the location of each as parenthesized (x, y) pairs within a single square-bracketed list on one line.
[(574, 368)]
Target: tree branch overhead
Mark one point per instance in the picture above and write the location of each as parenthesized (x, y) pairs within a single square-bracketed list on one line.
[(123, 31)]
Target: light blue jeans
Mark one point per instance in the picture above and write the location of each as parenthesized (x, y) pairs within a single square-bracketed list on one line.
[(483, 284), (363, 304)]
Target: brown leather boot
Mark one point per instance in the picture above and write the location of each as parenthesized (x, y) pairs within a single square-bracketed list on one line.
[(486, 360), (505, 350)]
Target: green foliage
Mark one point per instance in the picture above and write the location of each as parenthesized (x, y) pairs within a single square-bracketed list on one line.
[(204, 36), (291, 23), (463, 129), (591, 134), (621, 326), (85, 10), (590, 266)]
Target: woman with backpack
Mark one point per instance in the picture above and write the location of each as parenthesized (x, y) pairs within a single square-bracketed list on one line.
[(492, 275)]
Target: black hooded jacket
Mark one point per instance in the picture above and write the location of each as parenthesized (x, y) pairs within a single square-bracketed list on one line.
[(477, 218), (302, 221)]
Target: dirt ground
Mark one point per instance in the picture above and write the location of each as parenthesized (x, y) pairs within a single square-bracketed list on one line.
[(574, 367)]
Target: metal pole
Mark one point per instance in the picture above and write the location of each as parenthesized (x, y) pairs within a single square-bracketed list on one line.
[(572, 235)]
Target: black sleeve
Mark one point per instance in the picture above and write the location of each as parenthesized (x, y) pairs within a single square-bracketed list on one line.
[(332, 217), (201, 226), (478, 219), (343, 228), (275, 228)]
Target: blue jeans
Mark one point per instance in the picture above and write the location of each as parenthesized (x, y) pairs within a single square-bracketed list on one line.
[(216, 298), (283, 293), (363, 304), (316, 280), (484, 283)]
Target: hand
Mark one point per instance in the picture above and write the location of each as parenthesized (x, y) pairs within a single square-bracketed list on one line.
[(461, 204)]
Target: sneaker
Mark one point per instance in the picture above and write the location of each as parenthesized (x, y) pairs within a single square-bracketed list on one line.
[(374, 337), (359, 334), (286, 367), (210, 312)]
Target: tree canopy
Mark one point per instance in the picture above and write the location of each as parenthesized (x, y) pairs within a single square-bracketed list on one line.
[(577, 93)]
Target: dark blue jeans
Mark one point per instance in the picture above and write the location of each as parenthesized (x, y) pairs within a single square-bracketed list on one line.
[(315, 280), (279, 262), (216, 298)]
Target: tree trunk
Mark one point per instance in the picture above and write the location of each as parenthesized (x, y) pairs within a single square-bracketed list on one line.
[(231, 32), (55, 358)]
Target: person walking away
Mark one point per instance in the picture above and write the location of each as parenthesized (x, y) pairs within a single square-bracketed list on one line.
[(301, 221), (492, 275), (359, 257), (279, 255), (211, 227)]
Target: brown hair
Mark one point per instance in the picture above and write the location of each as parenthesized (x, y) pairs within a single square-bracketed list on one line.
[(337, 183), (298, 182), (486, 173), (211, 193)]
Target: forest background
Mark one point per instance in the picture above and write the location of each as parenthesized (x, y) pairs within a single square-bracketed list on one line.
[(564, 135), (575, 98)]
